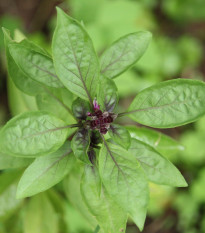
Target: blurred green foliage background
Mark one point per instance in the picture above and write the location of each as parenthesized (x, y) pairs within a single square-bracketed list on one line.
[(176, 51)]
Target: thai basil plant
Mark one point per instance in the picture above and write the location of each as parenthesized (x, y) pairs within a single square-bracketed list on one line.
[(76, 124)]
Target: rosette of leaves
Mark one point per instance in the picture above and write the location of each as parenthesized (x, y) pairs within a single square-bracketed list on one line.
[(118, 162)]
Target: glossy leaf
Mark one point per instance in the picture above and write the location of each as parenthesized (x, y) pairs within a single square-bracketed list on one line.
[(34, 63), (45, 172), (124, 181), (158, 169), (75, 59), (123, 53), (80, 108), (159, 141), (110, 216), (80, 145), (107, 95), (7, 161), (169, 104), (120, 135), (21, 80), (32, 134)]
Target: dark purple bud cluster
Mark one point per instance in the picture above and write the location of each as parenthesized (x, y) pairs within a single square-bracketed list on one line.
[(100, 120)]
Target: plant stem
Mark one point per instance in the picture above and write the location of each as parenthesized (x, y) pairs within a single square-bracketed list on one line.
[(97, 229)]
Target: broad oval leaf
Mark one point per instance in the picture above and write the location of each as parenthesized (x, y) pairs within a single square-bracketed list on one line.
[(120, 135), (80, 108), (108, 94), (22, 82), (74, 56), (169, 104), (34, 63), (46, 171), (159, 141), (125, 181), (158, 169), (109, 215), (80, 145), (123, 53), (33, 134)]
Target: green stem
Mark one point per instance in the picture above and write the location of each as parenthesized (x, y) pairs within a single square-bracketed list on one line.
[(97, 229)]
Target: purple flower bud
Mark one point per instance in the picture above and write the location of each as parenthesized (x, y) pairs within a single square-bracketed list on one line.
[(96, 105)]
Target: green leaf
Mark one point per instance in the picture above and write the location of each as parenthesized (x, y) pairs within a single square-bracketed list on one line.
[(110, 216), (120, 135), (71, 186), (107, 95), (80, 108), (50, 100), (169, 104), (34, 63), (7, 161), (33, 134), (24, 83), (75, 59), (158, 169), (8, 203), (124, 181), (80, 145), (123, 53), (159, 141), (40, 216), (45, 172)]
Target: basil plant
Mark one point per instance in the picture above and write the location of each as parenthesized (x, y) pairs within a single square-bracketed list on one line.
[(75, 125)]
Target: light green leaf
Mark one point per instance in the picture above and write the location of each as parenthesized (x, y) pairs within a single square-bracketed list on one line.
[(124, 53), (158, 169), (33, 134), (40, 216), (24, 83), (120, 135), (110, 216), (169, 104), (75, 59), (7, 161), (161, 142), (125, 181), (80, 145), (34, 63), (107, 95), (45, 172), (8, 202)]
